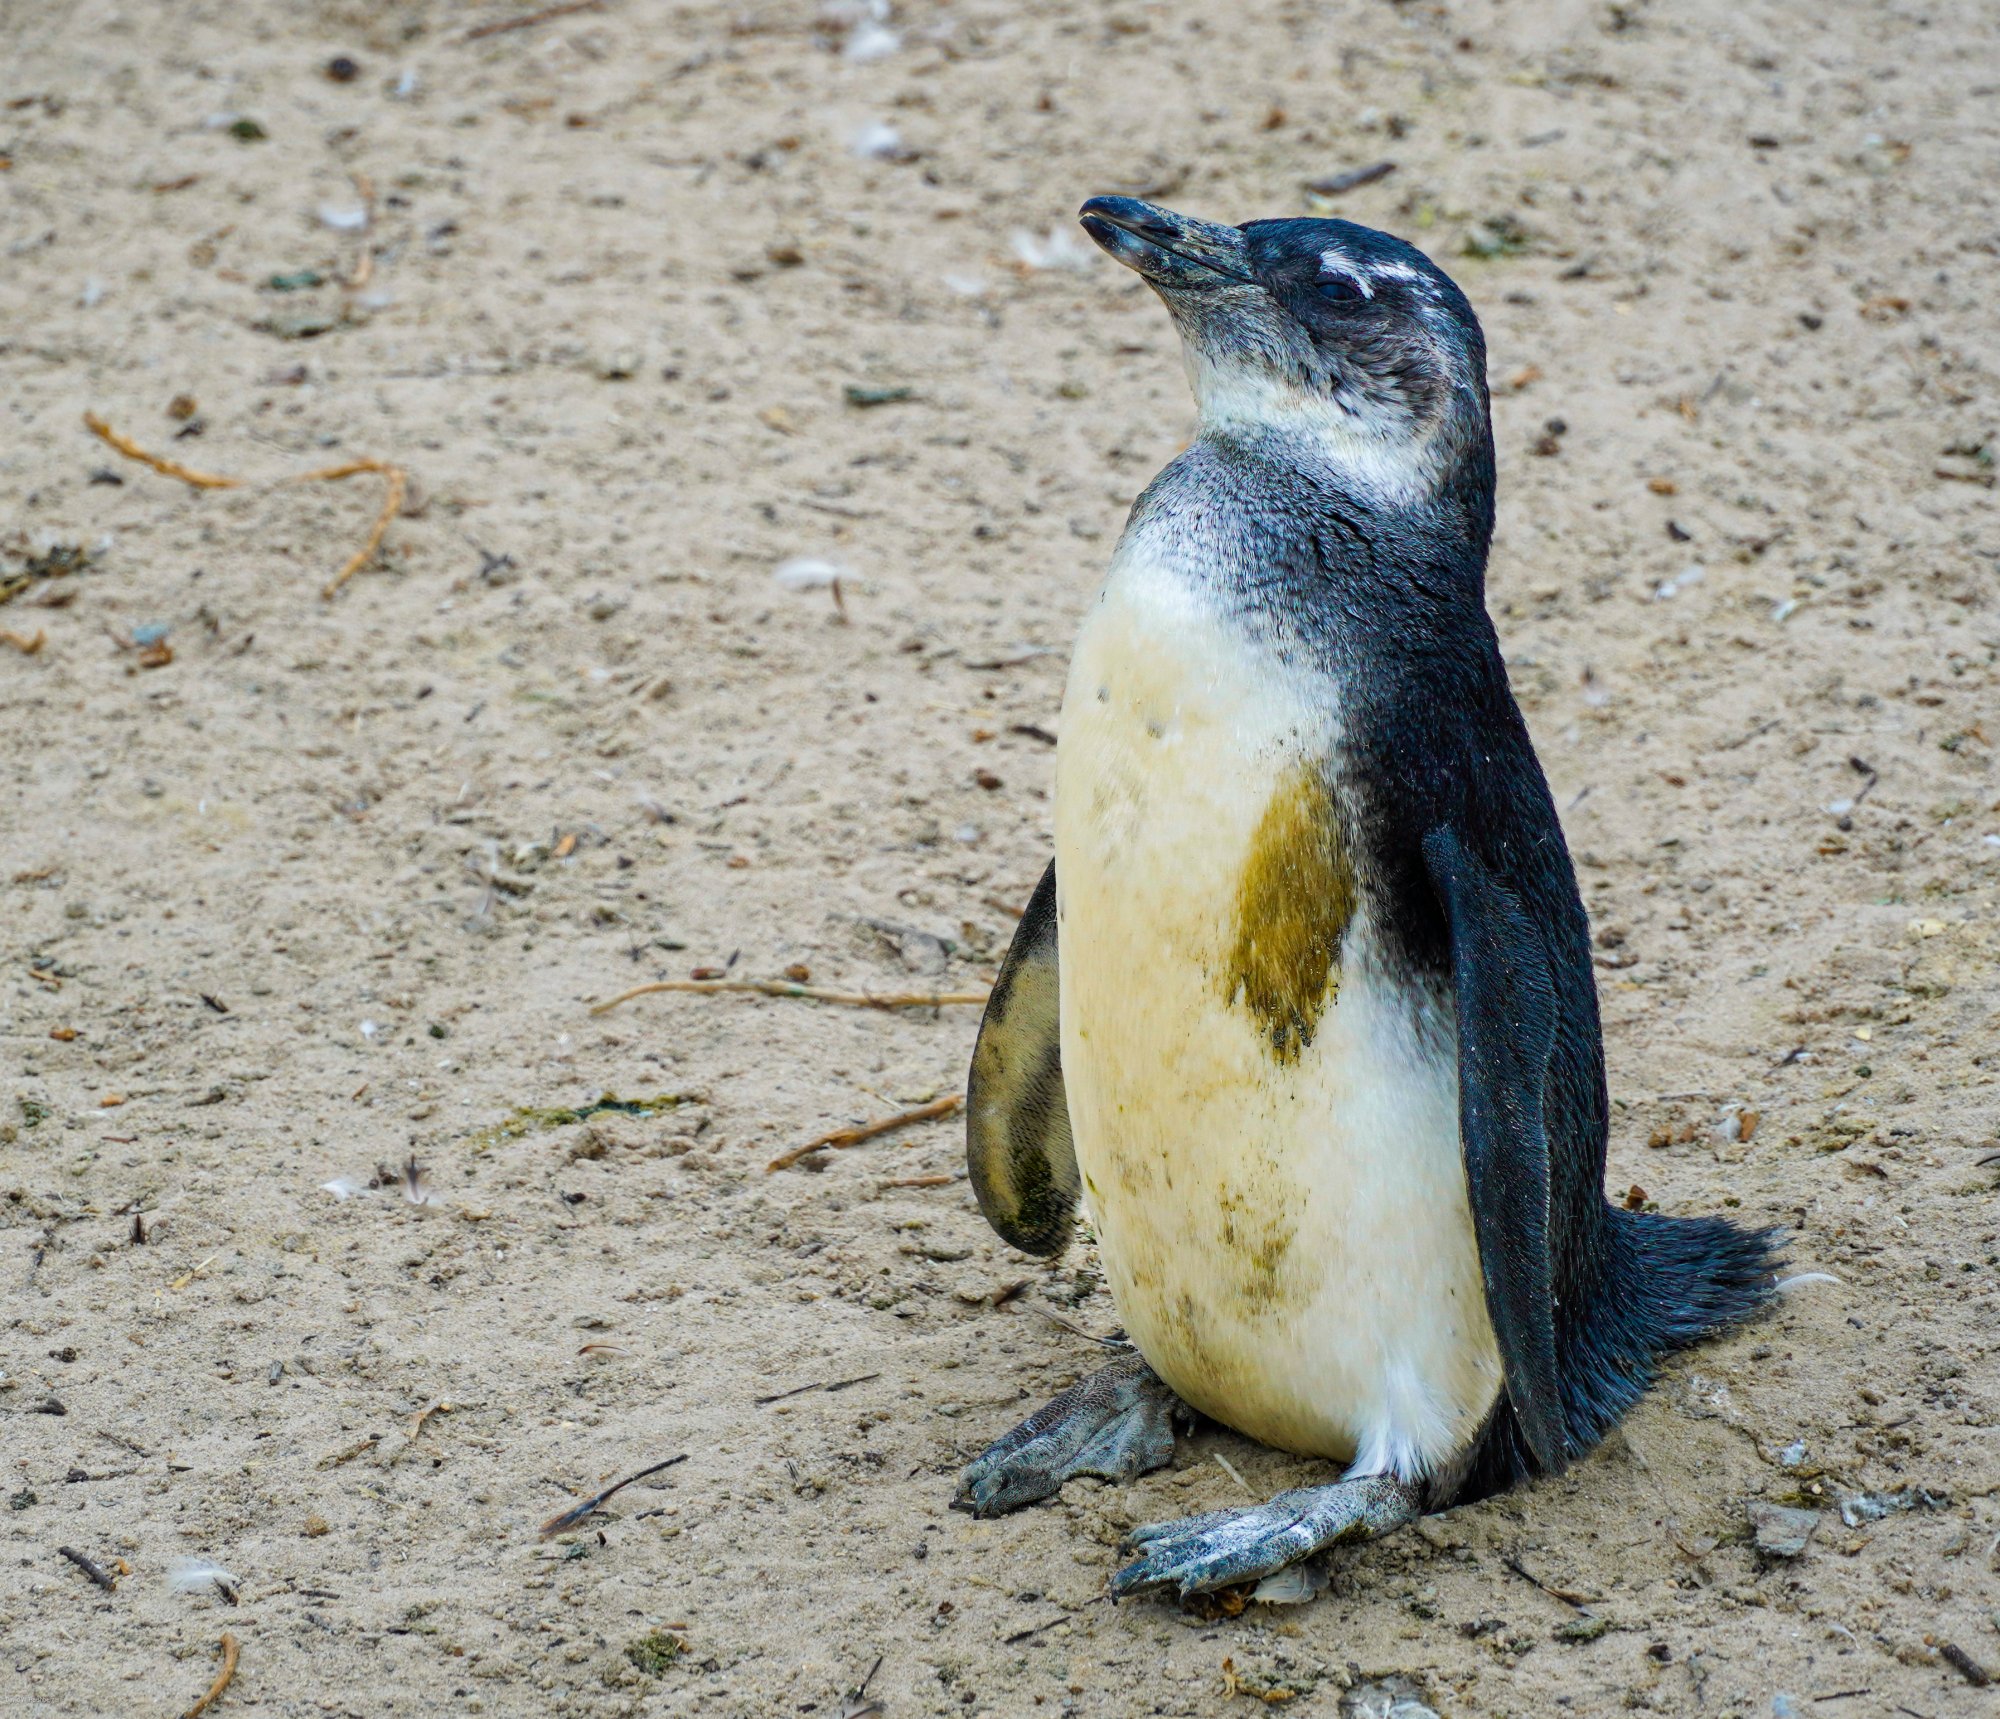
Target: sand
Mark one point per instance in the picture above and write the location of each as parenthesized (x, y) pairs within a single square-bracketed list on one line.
[(337, 885)]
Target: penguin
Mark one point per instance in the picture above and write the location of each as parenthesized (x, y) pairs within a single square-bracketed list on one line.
[(1303, 1008)]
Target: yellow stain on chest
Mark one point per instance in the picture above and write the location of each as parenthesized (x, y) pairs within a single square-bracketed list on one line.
[(1294, 899)]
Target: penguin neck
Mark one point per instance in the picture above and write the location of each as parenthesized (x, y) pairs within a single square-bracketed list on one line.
[(1438, 502), (1319, 437)]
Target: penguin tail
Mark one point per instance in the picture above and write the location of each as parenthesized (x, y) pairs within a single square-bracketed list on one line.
[(1677, 1281), (1664, 1283)]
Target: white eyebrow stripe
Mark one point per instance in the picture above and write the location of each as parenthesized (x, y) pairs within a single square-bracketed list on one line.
[(1337, 262), (1399, 271)]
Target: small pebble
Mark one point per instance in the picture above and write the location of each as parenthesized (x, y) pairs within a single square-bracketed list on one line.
[(1781, 1531)]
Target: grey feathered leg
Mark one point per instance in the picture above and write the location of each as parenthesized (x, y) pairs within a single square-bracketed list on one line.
[(1224, 1547), (1117, 1424)]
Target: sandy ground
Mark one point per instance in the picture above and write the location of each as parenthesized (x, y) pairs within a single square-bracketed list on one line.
[(337, 884)]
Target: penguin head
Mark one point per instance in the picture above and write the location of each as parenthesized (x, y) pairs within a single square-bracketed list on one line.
[(1317, 329)]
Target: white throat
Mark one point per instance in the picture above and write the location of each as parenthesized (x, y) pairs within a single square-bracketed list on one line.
[(1375, 458)]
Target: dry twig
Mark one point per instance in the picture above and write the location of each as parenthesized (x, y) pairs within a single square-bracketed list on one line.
[(392, 501), (417, 1421), (547, 15), (570, 1518), (416, 1428), (1333, 184), (222, 1678), (1070, 1325), (188, 1277), (364, 261), (868, 1131), (800, 1390), (1568, 1596), (165, 467), (1964, 1664), (785, 988), (91, 1568), (351, 1452), (23, 643)]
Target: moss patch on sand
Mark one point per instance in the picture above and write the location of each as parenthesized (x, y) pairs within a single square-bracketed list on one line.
[(654, 1653), (533, 1119)]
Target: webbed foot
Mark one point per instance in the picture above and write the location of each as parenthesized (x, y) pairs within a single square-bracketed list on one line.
[(1117, 1424), (1224, 1547)]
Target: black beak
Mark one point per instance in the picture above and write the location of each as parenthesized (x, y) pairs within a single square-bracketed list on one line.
[(1171, 251)]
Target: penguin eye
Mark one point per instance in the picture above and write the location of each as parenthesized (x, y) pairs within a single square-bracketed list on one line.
[(1341, 287)]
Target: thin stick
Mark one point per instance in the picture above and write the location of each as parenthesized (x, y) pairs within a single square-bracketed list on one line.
[(1229, 1468), (364, 262), (392, 501), (91, 1568), (351, 1452), (800, 1390), (166, 468), (23, 643), (548, 14), (1055, 1318), (1568, 1596), (188, 1277), (868, 1131), (416, 1428), (854, 1704), (417, 1424), (328, 474), (570, 1518), (1027, 1634), (222, 1677), (1965, 1665), (392, 504), (785, 988)]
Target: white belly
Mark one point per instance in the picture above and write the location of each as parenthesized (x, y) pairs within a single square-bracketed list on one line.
[(1284, 1222)]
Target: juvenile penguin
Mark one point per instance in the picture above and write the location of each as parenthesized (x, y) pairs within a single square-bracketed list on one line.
[(1303, 1007)]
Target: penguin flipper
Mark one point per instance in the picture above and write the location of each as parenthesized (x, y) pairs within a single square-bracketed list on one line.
[(1506, 1035), (1017, 1139)]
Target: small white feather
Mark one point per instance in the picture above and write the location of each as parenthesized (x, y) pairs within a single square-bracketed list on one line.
[(870, 40), (1668, 589), (1059, 249), (878, 141), (189, 1575), (809, 573)]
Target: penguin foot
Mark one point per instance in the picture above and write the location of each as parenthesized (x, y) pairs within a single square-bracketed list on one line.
[(1117, 1424), (1224, 1547)]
